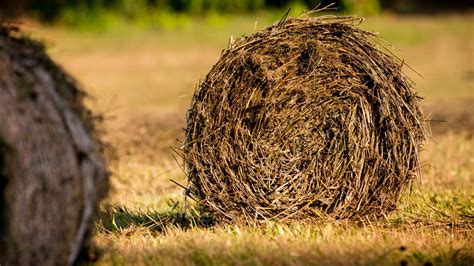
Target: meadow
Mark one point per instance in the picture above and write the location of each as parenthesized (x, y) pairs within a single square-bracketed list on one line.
[(142, 81)]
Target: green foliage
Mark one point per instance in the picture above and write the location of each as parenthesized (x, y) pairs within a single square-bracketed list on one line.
[(202, 6), (280, 3), (51, 10), (361, 7)]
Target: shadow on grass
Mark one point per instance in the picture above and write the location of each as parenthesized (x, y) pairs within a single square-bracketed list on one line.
[(114, 218), (437, 211)]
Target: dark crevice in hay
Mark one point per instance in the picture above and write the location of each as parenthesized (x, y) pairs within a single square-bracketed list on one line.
[(303, 117)]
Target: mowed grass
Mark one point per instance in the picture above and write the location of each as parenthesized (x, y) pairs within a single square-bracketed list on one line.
[(143, 80)]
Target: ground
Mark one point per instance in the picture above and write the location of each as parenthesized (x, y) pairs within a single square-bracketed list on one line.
[(142, 82)]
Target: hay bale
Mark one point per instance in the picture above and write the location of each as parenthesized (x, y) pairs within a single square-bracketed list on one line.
[(51, 173), (305, 118)]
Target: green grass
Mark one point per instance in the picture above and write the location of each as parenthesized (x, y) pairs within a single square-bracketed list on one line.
[(143, 79)]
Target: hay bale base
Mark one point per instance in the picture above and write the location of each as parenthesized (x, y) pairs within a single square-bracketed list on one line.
[(51, 173), (306, 118)]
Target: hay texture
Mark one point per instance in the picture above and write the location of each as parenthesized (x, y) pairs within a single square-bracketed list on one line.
[(51, 172), (306, 118)]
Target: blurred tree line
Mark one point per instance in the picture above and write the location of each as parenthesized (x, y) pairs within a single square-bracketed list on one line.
[(49, 10)]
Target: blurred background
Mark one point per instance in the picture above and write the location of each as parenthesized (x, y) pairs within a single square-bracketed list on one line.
[(141, 60), (75, 12)]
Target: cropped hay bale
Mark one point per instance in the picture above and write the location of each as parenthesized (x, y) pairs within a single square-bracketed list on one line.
[(51, 172), (306, 118)]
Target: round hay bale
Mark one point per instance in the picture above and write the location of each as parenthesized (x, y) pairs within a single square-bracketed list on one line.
[(51, 171), (305, 118)]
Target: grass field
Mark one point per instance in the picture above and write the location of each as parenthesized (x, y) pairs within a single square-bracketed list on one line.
[(143, 80)]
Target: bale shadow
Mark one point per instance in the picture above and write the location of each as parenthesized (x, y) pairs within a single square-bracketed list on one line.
[(113, 219)]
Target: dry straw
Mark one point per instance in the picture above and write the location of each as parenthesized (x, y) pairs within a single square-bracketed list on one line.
[(51, 172), (306, 118)]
